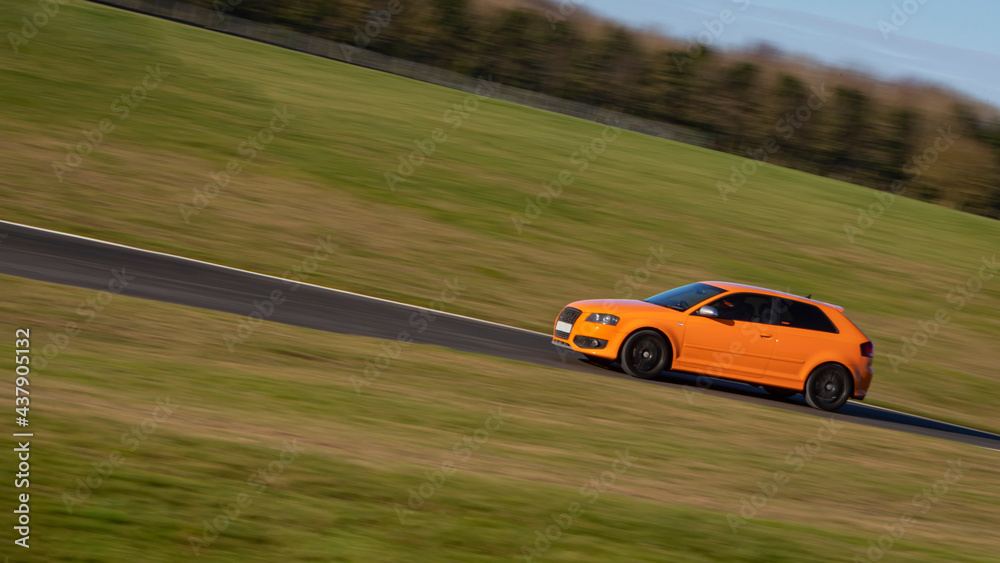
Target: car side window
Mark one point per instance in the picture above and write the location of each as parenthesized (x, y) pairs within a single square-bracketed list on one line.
[(745, 307), (797, 314)]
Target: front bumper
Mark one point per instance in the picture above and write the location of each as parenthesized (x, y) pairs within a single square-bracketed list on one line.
[(561, 344), (593, 339)]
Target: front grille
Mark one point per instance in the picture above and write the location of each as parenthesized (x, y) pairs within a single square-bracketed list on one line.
[(568, 315)]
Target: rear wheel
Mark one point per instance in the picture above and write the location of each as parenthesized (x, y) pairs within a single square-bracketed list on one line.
[(828, 387), (780, 392), (645, 354)]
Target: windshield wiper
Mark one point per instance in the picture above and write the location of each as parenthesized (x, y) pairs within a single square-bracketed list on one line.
[(674, 307)]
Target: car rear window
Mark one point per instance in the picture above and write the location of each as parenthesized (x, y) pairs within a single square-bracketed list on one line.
[(797, 314)]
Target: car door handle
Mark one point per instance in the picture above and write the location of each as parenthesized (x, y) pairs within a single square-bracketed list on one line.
[(765, 335)]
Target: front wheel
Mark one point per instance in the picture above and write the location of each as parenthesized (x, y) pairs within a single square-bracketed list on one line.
[(645, 354), (828, 387)]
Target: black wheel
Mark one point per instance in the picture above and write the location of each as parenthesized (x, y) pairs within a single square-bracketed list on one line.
[(645, 354), (828, 387), (780, 392)]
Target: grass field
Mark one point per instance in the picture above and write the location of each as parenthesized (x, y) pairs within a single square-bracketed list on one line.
[(157, 476), (454, 215)]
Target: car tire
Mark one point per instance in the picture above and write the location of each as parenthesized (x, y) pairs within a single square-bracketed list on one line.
[(780, 392), (645, 354), (828, 387)]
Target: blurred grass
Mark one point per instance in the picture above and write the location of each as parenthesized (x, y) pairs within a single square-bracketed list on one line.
[(324, 175), (362, 454)]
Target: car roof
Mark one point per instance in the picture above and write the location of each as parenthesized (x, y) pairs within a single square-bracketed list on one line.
[(729, 286)]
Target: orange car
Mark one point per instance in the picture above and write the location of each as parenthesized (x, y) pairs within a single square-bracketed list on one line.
[(781, 342)]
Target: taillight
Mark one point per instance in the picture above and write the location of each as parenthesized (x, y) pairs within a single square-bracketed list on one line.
[(868, 350)]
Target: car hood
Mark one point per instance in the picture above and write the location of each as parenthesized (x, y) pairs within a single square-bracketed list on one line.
[(621, 306)]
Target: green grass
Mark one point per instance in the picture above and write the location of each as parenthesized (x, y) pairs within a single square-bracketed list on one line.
[(361, 454), (324, 175)]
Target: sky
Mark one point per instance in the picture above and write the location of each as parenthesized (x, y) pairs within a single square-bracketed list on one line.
[(951, 42)]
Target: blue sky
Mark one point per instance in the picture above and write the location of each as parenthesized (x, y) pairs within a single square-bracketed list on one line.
[(952, 42)]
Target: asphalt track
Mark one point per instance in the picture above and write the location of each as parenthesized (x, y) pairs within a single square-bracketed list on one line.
[(54, 257)]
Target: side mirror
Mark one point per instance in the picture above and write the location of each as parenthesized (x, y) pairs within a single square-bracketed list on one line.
[(707, 311)]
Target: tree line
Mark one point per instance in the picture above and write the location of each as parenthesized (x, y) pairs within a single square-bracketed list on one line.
[(831, 122)]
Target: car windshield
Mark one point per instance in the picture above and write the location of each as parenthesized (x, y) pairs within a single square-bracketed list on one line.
[(685, 297)]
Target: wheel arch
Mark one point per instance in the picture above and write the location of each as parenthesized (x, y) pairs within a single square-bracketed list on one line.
[(640, 328), (850, 374)]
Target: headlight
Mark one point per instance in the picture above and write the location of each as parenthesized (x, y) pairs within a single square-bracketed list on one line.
[(603, 319)]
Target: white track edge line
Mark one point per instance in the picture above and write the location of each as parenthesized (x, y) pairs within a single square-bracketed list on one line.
[(933, 420), (344, 292), (341, 291)]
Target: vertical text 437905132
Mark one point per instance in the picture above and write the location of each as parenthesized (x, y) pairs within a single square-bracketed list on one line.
[(22, 370)]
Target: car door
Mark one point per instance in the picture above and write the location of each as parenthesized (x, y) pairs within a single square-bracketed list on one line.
[(801, 331), (735, 344)]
